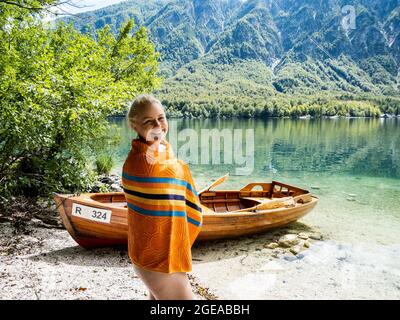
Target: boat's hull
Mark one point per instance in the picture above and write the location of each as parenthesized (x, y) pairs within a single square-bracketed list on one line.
[(89, 234)]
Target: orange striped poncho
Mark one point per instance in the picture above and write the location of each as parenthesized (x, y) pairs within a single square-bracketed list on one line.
[(164, 211)]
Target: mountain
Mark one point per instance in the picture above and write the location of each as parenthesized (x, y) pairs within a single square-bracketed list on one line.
[(215, 48)]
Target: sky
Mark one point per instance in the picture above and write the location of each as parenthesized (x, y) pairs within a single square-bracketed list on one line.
[(89, 5)]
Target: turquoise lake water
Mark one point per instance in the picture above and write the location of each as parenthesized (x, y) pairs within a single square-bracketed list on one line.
[(352, 165)]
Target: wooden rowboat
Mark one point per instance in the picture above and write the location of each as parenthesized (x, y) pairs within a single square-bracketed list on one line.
[(100, 219)]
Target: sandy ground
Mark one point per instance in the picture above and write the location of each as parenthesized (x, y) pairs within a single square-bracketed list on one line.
[(47, 264)]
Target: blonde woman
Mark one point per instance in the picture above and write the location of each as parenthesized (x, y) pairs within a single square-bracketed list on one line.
[(164, 212)]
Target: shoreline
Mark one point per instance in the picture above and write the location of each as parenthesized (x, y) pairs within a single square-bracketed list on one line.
[(303, 117), (47, 264)]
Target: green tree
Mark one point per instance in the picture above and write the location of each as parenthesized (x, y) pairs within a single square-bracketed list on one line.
[(57, 88)]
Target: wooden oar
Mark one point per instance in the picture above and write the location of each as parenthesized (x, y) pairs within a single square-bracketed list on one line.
[(277, 203), (215, 183), (270, 204)]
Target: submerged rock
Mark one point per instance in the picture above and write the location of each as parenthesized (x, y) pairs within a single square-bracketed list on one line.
[(290, 258)]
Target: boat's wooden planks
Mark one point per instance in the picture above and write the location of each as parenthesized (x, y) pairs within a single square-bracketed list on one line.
[(217, 224)]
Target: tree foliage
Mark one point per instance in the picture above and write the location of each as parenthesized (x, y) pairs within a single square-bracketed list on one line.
[(57, 87)]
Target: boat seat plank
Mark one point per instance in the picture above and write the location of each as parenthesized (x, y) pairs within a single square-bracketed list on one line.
[(258, 199), (219, 200)]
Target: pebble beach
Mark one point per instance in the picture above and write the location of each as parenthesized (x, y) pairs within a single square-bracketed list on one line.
[(295, 262)]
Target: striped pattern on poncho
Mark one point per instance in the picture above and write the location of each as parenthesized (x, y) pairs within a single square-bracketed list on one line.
[(164, 211)]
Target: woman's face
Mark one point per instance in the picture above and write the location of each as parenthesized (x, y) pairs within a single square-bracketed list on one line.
[(151, 118)]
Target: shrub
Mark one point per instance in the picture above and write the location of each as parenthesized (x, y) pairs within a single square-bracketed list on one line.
[(57, 88), (104, 164)]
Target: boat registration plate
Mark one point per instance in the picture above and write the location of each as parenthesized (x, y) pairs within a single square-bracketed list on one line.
[(90, 213)]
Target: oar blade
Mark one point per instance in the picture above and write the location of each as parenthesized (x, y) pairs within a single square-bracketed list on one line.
[(215, 183)]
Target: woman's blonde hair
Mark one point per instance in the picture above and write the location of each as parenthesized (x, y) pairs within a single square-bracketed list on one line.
[(139, 104)]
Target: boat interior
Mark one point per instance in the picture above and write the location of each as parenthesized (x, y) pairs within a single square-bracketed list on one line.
[(221, 201)]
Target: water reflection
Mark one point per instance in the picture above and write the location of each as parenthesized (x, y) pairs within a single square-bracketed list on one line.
[(369, 147)]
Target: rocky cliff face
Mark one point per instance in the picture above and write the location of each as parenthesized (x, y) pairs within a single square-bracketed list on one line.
[(327, 44)]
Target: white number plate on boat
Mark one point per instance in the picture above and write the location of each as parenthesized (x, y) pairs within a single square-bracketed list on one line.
[(95, 214)]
